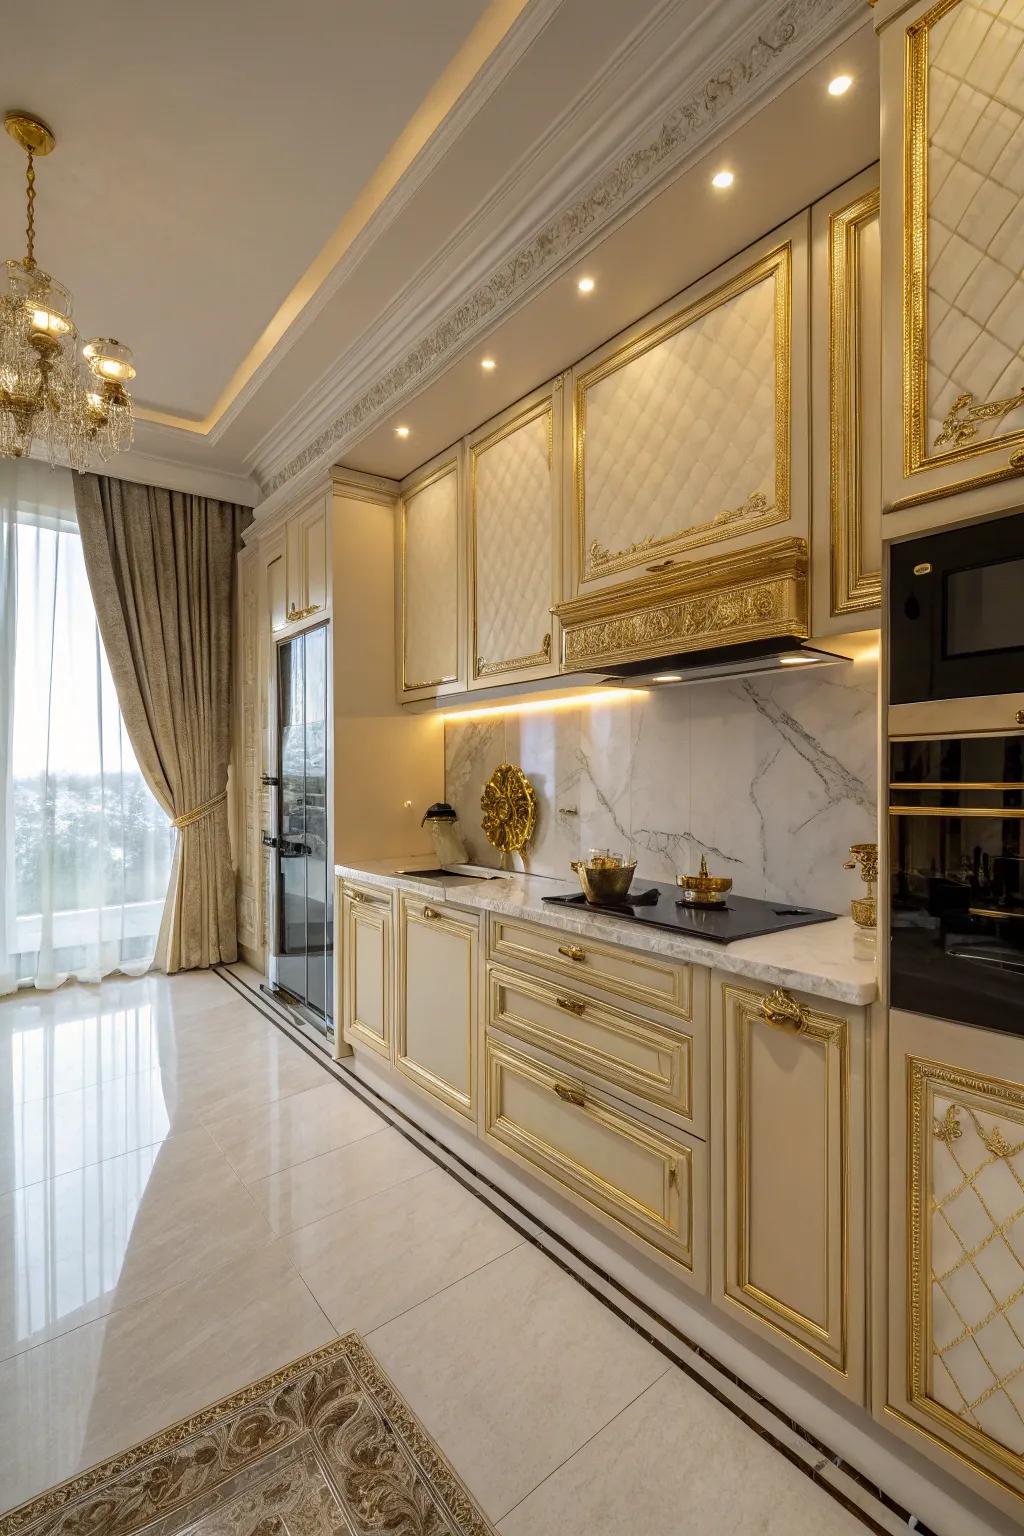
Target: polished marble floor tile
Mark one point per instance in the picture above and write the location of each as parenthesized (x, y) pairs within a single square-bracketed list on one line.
[(676, 1460), (69, 1403), (268, 1137), (512, 1370), (376, 1259), (321, 1185), (98, 1239)]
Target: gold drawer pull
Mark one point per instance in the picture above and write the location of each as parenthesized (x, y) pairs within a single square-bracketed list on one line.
[(995, 912), (661, 565), (430, 915), (572, 951), (571, 1095), (1019, 717), (574, 1005), (784, 1012), (355, 895)]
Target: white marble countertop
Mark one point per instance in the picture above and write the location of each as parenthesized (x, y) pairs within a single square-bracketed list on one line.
[(818, 959)]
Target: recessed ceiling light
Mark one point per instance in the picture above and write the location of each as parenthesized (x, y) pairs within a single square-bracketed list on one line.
[(488, 364), (840, 85), (667, 677), (585, 285), (401, 431), (722, 179)]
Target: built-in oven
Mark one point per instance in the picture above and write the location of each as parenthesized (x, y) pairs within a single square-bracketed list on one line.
[(956, 813), (956, 627)]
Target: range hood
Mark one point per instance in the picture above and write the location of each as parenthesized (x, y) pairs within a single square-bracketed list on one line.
[(723, 616), (721, 662)]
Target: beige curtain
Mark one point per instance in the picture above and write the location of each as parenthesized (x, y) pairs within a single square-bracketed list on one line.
[(161, 565)]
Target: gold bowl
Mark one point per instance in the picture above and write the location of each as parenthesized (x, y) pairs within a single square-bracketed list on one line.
[(603, 881), (704, 889)]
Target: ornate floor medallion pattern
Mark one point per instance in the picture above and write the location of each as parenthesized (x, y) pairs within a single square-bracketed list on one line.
[(323, 1447)]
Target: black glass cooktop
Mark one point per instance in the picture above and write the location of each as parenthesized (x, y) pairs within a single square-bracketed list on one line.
[(741, 918)]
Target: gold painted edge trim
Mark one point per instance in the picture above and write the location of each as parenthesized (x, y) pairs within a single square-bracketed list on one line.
[(922, 1075), (466, 929), (778, 264), (541, 657), (1009, 471), (449, 467), (916, 456), (998, 813), (853, 588), (436, 1469)]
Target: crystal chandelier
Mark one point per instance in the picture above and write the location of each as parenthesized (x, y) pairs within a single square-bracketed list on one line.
[(50, 393)]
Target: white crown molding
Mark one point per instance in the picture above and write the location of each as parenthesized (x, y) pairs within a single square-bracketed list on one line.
[(174, 475), (372, 380)]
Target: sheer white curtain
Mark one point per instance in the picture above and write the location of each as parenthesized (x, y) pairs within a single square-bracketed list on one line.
[(86, 849)]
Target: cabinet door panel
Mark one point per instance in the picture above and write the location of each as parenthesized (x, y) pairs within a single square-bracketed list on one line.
[(367, 969), (436, 1044), (789, 1080), (430, 600), (276, 579)]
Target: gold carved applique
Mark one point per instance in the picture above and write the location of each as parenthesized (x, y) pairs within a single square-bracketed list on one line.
[(509, 804), (689, 618), (755, 506), (948, 1129), (960, 424)]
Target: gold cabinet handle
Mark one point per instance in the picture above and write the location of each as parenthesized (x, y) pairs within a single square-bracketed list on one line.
[(1019, 717), (294, 614), (574, 1005), (430, 915), (355, 895), (784, 1012), (661, 565), (571, 1095), (572, 951), (995, 912)]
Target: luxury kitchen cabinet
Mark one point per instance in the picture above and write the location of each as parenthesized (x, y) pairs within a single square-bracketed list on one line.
[(513, 501), (367, 979), (787, 1139), (430, 600), (308, 572), (953, 284), (437, 1019), (955, 1365), (846, 409)]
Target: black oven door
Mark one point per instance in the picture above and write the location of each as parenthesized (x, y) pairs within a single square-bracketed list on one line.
[(957, 870), (956, 609)]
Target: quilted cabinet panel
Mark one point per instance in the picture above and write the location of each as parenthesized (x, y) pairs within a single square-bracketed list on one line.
[(682, 435), (430, 581), (511, 512)]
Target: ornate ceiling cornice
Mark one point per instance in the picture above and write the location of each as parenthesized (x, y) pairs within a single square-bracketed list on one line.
[(761, 54)]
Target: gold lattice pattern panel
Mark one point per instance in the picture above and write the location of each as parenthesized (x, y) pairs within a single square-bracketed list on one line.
[(976, 1271)]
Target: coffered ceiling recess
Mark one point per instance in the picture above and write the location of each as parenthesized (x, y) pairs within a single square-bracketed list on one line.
[(310, 215)]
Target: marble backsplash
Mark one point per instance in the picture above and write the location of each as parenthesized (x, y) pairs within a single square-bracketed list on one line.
[(772, 777)]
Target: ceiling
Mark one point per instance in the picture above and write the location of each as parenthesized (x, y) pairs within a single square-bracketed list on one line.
[(310, 228)]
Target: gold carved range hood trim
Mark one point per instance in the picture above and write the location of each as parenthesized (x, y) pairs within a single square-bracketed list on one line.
[(752, 595)]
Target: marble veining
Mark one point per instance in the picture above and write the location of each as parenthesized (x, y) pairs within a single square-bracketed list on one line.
[(772, 778)]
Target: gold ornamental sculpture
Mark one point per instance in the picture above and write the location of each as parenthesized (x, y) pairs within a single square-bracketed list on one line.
[(509, 805)]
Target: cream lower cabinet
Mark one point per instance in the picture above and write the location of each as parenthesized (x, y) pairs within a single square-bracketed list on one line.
[(367, 929), (955, 1368), (436, 1035), (787, 1095)]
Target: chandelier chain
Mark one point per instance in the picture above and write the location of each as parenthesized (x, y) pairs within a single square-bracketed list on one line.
[(30, 227)]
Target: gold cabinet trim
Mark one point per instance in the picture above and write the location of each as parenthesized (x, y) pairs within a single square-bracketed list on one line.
[(853, 587), (672, 1043), (829, 1032), (482, 667), (449, 467), (439, 1087), (592, 560), (752, 594), (611, 1200), (678, 1001), (923, 1077), (916, 455)]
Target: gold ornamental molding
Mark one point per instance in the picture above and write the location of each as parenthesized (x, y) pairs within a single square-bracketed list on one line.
[(755, 594)]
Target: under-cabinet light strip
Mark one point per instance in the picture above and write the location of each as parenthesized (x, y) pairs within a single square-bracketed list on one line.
[(537, 706)]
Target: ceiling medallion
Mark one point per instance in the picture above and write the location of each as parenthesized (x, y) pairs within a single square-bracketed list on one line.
[(47, 397), (509, 804)]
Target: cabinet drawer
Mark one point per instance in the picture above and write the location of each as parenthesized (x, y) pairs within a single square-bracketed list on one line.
[(629, 1173), (645, 979), (642, 1058)]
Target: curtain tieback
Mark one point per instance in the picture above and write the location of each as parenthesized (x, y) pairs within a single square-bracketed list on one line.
[(198, 812)]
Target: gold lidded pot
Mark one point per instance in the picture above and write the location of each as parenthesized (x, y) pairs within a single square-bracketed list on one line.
[(704, 889), (605, 877)]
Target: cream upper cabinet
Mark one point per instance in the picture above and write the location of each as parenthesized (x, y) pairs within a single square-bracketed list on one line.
[(787, 1148), (953, 229), (690, 429), (846, 409), (274, 557), (956, 1250), (513, 469), (436, 1037), (430, 575), (367, 932), (308, 579)]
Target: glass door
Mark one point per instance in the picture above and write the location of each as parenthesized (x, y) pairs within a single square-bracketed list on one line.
[(305, 915)]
